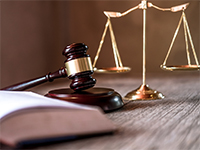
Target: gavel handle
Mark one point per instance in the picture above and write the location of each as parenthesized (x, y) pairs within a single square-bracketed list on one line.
[(36, 81)]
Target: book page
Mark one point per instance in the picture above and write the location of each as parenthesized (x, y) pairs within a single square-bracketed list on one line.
[(11, 101)]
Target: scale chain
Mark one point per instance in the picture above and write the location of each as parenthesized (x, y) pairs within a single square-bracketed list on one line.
[(175, 34), (115, 49), (186, 39), (190, 38), (101, 43)]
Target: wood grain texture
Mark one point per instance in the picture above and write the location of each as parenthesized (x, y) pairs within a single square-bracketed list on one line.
[(172, 123)]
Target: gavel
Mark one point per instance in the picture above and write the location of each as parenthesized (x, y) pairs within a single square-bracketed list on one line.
[(78, 68)]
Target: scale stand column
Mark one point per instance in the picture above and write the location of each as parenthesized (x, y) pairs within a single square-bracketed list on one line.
[(144, 92)]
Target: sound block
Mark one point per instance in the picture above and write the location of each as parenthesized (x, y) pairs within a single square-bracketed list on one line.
[(106, 98)]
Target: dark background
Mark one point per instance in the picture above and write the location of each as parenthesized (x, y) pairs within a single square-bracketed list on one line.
[(34, 33)]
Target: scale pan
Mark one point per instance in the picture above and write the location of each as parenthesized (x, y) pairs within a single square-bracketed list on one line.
[(112, 70), (180, 67)]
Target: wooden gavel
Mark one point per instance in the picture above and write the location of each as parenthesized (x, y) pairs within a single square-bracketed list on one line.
[(78, 68)]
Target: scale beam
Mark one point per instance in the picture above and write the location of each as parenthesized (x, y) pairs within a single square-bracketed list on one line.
[(172, 9)]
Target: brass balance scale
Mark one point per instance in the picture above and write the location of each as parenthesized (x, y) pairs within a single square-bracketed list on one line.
[(144, 92)]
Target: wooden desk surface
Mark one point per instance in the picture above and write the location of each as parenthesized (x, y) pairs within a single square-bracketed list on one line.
[(172, 123)]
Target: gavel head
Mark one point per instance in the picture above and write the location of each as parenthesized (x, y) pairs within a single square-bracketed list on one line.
[(78, 66)]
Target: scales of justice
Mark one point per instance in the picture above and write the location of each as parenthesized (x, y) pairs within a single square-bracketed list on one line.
[(144, 92)]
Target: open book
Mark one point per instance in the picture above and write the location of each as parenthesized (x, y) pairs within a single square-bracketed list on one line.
[(29, 118)]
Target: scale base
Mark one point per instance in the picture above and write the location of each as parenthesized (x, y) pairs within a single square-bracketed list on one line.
[(144, 93), (105, 98)]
